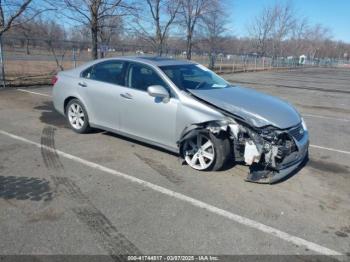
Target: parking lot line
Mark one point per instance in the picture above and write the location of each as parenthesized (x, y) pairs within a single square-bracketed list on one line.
[(194, 202), (331, 149), (34, 93)]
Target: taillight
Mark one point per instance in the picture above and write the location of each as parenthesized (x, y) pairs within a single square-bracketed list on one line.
[(54, 80)]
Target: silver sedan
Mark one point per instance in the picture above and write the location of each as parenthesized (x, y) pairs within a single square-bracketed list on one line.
[(184, 107)]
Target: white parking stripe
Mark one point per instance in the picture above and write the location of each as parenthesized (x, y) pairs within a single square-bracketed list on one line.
[(218, 211), (331, 149), (34, 93), (327, 117)]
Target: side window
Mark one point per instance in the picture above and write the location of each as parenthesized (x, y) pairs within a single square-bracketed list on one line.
[(87, 72), (141, 77), (110, 72)]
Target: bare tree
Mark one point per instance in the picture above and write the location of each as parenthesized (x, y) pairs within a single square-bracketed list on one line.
[(10, 12), (110, 29), (214, 25), (26, 30), (51, 31), (285, 23), (296, 45), (315, 37), (191, 11), (273, 25), (81, 33), (93, 13), (261, 30), (162, 15)]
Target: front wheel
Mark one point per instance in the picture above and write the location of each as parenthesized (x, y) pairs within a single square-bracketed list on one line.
[(206, 151), (77, 116)]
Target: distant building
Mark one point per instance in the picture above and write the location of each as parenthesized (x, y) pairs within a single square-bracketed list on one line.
[(302, 59)]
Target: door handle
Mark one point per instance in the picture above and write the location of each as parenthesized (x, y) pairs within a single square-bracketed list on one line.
[(126, 96), (83, 84)]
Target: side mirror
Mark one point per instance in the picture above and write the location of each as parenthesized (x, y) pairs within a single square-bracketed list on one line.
[(158, 91)]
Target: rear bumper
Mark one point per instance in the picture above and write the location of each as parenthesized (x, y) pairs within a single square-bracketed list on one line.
[(57, 100)]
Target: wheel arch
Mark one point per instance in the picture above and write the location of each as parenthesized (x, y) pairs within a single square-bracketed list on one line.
[(216, 127), (66, 101), (70, 98)]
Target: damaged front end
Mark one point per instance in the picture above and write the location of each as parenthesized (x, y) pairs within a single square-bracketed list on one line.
[(271, 153)]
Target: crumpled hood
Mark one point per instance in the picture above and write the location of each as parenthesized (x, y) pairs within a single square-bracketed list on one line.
[(256, 108)]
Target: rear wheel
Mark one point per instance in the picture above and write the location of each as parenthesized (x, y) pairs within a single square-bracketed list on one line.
[(206, 151), (77, 116)]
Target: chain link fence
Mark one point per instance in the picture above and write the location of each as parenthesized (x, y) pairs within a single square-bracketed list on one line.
[(33, 61)]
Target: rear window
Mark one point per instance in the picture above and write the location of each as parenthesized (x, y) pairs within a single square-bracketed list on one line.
[(110, 72)]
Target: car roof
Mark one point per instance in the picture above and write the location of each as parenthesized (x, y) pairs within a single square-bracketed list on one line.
[(151, 60), (154, 60)]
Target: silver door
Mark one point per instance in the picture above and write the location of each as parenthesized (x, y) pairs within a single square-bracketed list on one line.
[(101, 88), (144, 116)]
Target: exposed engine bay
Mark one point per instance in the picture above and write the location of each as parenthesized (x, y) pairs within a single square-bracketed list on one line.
[(266, 150)]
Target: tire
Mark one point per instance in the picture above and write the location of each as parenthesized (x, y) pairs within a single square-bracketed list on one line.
[(214, 154), (77, 117)]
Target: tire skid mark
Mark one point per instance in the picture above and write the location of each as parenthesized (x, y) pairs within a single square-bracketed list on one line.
[(70, 188), (161, 169), (111, 239), (114, 242), (50, 157)]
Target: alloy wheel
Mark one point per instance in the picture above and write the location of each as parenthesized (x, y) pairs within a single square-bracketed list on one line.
[(199, 152), (76, 116)]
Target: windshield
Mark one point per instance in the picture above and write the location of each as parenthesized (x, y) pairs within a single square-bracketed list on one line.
[(194, 77)]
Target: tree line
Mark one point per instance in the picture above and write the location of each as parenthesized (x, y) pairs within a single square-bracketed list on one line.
[(192, 26)]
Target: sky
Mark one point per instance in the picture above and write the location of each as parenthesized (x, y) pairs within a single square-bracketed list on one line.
[(334, 14)]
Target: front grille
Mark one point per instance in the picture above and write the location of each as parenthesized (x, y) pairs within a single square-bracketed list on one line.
[(297, 132)]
